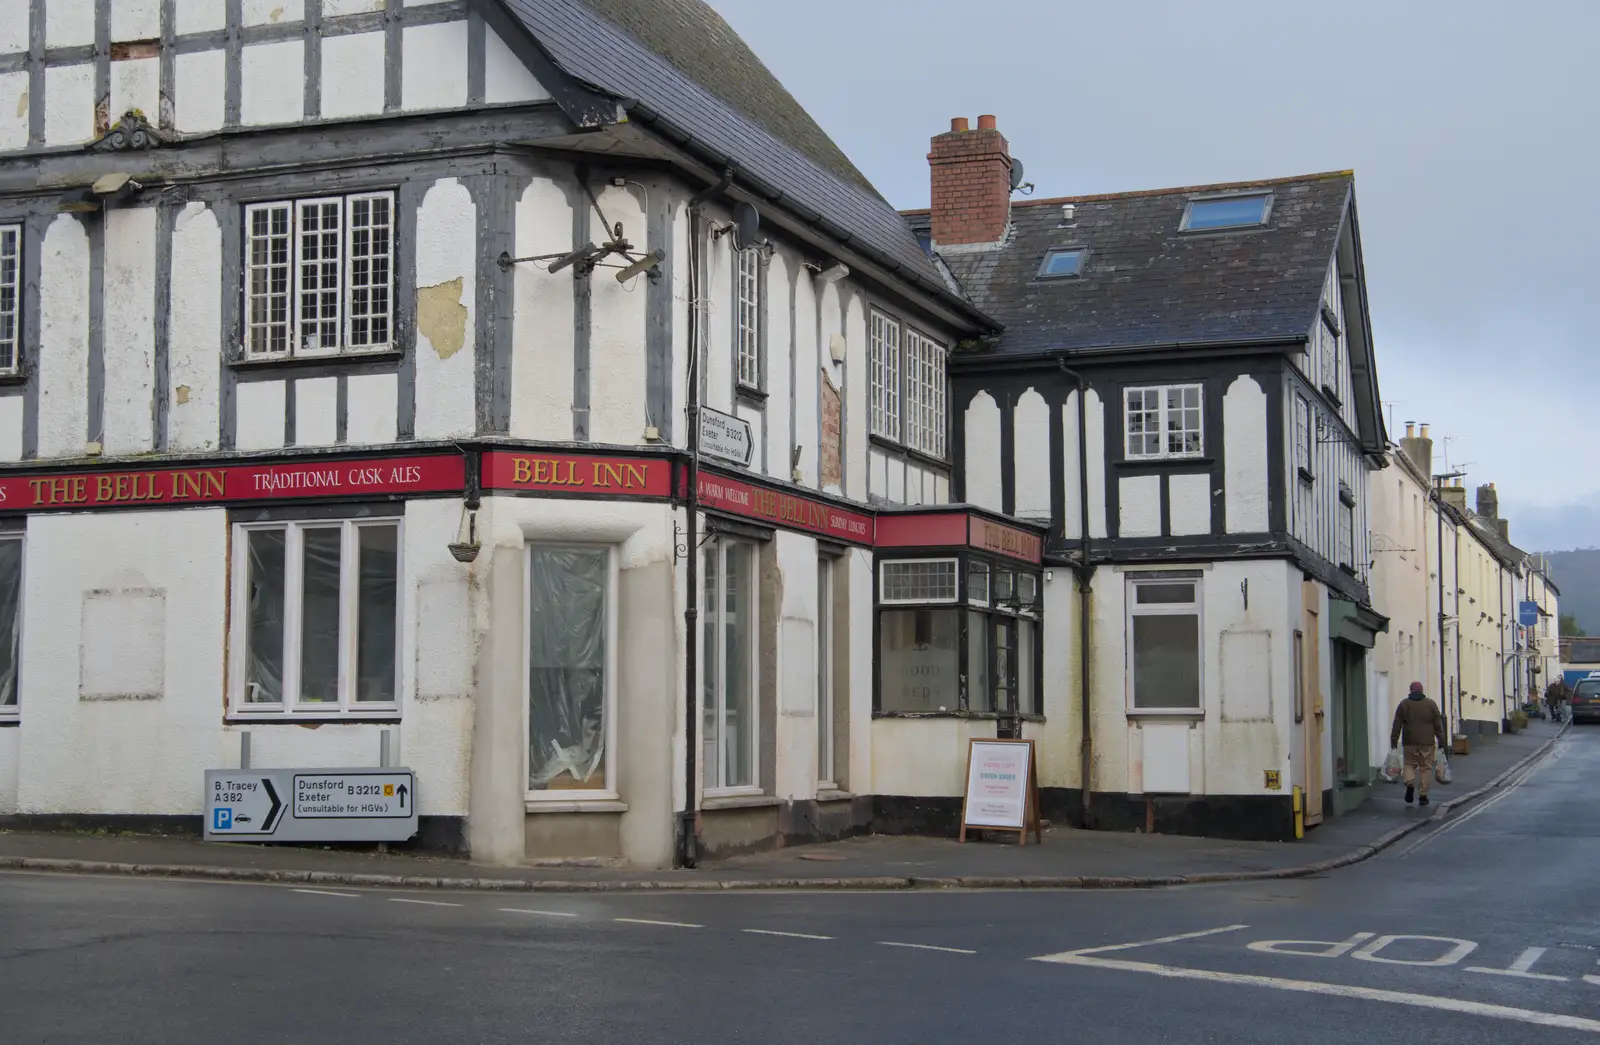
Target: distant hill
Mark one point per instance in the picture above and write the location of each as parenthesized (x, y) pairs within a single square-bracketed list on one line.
[(1578, 576)]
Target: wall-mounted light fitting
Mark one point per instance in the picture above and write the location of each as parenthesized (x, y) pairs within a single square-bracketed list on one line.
[(834, 273)]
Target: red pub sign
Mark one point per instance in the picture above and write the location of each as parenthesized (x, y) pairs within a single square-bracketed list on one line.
[(130, 488), (575, 474), (721, 493)]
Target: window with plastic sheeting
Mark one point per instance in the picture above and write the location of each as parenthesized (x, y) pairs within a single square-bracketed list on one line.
[(1164, 653), (10, 622), (571, 620), (316, 618)]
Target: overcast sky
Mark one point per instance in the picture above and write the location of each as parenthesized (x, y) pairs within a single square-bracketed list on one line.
[(1472, 127)]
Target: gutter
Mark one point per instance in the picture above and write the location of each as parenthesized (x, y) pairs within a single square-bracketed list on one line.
[(966, 361)]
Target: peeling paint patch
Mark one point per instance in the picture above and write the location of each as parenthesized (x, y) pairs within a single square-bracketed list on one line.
[(182, 393), (22, 104), (276, 15), (442, 318)]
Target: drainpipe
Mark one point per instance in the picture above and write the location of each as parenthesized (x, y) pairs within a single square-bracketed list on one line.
[(1500, 625), (1084, 572), (1439, 513), (688, 833)]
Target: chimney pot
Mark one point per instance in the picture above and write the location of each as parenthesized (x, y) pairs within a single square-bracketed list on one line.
[(1424, 431), (986, 123), (960, 123)]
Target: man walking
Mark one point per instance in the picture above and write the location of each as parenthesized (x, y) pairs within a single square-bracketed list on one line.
[(1419, 724)]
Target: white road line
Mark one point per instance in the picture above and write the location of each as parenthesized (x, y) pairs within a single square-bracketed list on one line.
[(424, 903), (1336, 990), (325, 892), (1520, 968), (795, 936), (1143, 943), (652, 921), (926, 947), (547, 914)]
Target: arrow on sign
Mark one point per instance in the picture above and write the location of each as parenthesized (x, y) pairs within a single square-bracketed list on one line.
[(402, 791), (277, 807)]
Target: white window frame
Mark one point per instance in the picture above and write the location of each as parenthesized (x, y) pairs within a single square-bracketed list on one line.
[(887, 391), (300, 266), (926, 381), (11, 287), (612, 792), (1164, 414), (12, 711), (956, 597), (1195, 609), (827, 766), (1345, 539), (289, 707), (1303, 457), (747, 317), (719, 548)]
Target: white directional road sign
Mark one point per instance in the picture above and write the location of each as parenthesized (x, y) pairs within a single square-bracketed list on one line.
[(725, 436), (310, 805)]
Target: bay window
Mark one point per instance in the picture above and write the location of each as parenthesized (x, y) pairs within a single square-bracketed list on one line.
[(728, 655), (316, 617), (571, 675), (1164, 648), (946, 647)]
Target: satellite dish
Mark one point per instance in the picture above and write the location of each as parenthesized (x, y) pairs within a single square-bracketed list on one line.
[(747, 223), (1016, 174)]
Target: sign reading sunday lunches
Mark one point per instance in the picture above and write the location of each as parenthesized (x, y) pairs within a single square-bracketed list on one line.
[(310, 805), (1002, 791)]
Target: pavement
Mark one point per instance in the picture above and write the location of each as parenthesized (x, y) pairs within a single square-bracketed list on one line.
[(1067, 858), (1471, 931)]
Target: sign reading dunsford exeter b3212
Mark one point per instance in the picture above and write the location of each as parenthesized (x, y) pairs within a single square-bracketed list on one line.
[(310, 805)]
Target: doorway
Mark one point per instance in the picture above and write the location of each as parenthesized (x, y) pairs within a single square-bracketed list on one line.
[(1310, 704)]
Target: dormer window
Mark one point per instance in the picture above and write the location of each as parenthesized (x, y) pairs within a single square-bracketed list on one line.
[(1226, 212), (1062, 263)]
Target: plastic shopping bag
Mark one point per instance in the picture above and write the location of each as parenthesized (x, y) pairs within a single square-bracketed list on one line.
[(1393, 765), (1441, 768)]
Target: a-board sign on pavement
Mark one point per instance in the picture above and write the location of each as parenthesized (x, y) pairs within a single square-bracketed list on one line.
[(310, 805), (1002, 792)]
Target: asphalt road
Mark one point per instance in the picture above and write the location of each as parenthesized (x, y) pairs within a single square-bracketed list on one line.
[(1476, 932)]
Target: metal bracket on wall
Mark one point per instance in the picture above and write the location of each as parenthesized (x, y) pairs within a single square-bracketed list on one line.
[(680, 549)]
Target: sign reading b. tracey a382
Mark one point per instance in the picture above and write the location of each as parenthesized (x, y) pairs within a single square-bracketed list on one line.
[(310, 805)]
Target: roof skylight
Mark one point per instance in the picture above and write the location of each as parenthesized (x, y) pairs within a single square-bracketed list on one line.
[(1062, 262), (1226, 212)]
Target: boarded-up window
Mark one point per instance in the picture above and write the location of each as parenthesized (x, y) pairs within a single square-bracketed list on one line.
[(1247, 676)]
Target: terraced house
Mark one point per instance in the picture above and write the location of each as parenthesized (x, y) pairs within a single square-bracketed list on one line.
[(1185, 393), (346, 357)]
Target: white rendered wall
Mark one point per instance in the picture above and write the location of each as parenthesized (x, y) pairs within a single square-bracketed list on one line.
[(542, 319), (434, 66), (854, 388), (373, 401), (64, 339), (316, 411), (796, 670), (199, 83), (809, 357), (505, 78), (775, 322), (272, 83), (352, 74), (1139, 506), (260, 408), (11, 428), (13, 111), (1244, 439), (68, 104), (130, 338), (1030, 424), (982, 429), (617, 335), (446, 301), (194, 330), (1189, 503)]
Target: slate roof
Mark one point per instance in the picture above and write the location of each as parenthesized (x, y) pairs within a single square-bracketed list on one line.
[(676, 62), (1144, 283)]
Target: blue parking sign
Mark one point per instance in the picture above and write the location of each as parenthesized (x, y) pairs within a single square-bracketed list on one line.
[(222, 820)]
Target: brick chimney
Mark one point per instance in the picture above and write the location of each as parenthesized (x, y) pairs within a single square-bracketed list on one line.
[(1419, 448), (1488, 502), (971, 174)]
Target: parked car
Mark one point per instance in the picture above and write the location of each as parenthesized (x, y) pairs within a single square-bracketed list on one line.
[(1586, 701)]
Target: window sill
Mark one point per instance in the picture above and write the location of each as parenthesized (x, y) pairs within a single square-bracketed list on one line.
[(749, 394), (386, 357), (1026, 716), (310, 718), (10, 720), (835, 795), (13, 377), (712, 803), (1193, 713), (1306, 476), (911, 453), (579, 805), (1333, 397), (1142, 462)]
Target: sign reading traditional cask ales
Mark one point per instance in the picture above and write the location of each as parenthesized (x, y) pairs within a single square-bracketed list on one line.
[(577, 474), (295, 480), (720, 493)]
